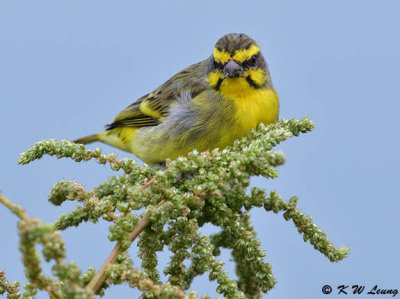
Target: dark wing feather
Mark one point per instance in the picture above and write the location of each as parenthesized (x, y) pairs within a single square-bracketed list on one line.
[(150, 109)]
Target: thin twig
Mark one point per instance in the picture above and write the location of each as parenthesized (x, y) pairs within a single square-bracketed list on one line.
[(97, 281), (14, 208), (20, 213), (147, 184)]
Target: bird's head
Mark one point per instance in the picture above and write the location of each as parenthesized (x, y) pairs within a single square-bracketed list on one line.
[(237, 64)]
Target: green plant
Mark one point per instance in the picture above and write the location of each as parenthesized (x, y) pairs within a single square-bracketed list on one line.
[(191, 191)]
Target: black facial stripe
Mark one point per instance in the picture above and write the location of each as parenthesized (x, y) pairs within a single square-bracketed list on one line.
[(251, 82), (218, 85), (218, 65)]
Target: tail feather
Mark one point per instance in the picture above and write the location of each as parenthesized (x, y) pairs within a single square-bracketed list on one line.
[(87, 139)]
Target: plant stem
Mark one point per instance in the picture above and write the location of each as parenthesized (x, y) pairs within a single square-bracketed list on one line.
[(14, 208), (98, 280)]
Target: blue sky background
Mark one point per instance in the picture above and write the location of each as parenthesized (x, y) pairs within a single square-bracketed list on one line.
[(66, 69)]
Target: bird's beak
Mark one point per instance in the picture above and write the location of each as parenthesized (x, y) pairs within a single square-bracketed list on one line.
[(233, 69)]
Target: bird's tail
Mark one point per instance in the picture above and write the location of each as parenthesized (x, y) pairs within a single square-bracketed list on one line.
[(87, 139)]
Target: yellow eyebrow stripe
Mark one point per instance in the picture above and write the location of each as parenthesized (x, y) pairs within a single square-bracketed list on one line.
[(239, 55), (221, 56)]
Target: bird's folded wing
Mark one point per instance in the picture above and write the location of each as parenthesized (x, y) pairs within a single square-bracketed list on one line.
[(151, 109)]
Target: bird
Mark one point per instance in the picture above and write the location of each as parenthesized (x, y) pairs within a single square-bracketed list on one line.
[(205, 106)]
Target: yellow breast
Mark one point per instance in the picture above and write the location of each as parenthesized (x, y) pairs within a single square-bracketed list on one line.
[(253, 105)]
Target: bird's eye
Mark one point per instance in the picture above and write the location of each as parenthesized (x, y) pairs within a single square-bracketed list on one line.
[(218, 65), (253, 60)]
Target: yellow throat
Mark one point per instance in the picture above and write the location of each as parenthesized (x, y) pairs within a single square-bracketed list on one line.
[(254, 102)]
